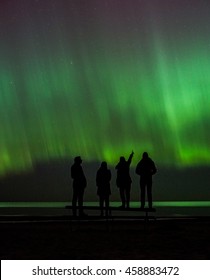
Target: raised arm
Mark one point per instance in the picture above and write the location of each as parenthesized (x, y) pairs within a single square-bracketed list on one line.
[(130, 158)]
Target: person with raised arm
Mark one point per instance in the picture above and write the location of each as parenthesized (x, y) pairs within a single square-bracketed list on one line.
[(124, 180)]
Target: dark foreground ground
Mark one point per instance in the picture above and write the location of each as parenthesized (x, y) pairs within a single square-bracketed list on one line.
[(160, 239)]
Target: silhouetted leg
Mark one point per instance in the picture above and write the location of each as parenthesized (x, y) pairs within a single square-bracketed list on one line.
[(80, 201), (74, 202), (142, 188), (122, 196), (107, 205), (127, 193), (149, 193), (101, 202)]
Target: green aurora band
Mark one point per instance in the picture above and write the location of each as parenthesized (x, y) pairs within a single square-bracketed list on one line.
[(101, 80)]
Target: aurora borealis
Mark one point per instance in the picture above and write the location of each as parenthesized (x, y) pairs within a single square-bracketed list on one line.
[(99, 78)]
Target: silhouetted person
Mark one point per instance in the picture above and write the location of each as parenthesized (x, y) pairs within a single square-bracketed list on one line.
[(103, 178), (124, 180), (79, 185), (146, 168)]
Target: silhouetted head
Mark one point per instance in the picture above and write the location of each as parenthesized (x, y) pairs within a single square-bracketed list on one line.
[(78, 160), (104, 165), (145, 155), (122, 159)]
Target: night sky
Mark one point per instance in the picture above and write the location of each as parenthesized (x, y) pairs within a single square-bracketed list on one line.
[(100, 78)]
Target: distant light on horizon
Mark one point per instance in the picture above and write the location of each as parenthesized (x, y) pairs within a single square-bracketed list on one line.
[(63, 204)]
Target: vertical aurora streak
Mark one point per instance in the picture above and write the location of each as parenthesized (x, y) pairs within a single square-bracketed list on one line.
[(100, 78)]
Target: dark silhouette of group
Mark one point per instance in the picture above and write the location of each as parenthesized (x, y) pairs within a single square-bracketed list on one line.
[(145, 169)]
